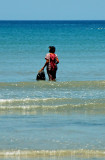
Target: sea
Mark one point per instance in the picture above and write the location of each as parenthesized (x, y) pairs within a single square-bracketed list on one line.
[(52, 120)]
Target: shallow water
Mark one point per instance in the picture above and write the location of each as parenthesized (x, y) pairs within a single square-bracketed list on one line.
[(52, 120)]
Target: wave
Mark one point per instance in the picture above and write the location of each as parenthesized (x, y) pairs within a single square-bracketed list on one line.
[(46, 101), (53, 105), (48, 84), (57, 153)]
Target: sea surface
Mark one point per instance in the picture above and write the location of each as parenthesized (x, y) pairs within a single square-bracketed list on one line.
[(45, 120)]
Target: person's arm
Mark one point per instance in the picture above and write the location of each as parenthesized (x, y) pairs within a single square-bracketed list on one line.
[(57, 60), (47, 61)]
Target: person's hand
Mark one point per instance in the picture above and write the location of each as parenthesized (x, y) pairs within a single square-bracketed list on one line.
[(41, 69)]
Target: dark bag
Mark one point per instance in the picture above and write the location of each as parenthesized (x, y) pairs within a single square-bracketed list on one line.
[(41, 76)]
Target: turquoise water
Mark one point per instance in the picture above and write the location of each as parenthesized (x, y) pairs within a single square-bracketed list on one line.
[(79, 45), (52, 120)]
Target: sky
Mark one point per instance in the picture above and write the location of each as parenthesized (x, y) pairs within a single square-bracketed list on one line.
[(52, 9)]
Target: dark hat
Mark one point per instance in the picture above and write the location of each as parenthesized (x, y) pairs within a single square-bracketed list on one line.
[(51, 47)]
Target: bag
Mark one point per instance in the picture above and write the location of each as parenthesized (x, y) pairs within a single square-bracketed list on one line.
[(41, 75), (53, 62)]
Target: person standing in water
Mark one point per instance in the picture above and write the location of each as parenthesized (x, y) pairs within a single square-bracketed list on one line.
[(51, 63)]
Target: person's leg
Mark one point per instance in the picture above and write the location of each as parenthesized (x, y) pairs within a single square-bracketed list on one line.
[(49, 75), (52, 75)]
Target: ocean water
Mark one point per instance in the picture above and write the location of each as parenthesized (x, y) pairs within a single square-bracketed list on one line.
[(52, 120)]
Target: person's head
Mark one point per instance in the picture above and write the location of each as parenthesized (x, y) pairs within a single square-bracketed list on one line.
[(51, 49)]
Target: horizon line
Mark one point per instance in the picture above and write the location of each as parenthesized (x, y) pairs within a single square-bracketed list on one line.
[(51, 20)]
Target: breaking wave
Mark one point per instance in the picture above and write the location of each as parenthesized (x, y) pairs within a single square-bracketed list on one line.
[(57, 153), (48, 84), (54, 105)]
